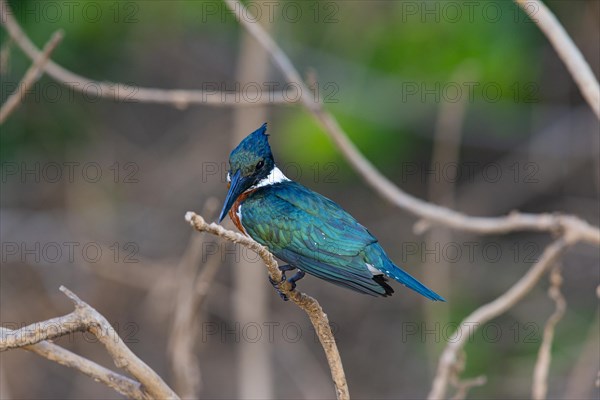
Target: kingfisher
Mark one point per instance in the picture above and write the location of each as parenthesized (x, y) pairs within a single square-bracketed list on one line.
[(309, 232)]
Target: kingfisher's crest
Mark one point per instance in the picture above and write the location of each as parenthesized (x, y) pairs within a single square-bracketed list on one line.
[(252, 157)]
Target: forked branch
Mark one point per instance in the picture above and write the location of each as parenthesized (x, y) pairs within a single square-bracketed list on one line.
[(35, 338), (493, 309), (122, 384)]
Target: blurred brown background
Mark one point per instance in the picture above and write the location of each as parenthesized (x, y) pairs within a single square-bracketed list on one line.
[(462, 103)]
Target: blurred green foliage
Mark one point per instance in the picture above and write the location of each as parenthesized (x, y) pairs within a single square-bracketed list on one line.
[(423, 43)]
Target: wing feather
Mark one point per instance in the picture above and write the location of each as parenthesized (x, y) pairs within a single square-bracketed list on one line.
[(311, 232)]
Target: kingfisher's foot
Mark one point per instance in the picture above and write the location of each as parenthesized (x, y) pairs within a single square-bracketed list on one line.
[(297, 276), (283, 269), (276, 287)]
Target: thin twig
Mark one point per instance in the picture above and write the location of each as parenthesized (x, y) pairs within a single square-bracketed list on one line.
[(311, 306), (180, 98), (493, 309), (463, 386), (122, 384), (85, 318), (30, 77), (566, 49), (542, 366)]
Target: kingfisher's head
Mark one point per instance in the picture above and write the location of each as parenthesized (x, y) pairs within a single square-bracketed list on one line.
[(249, 163)]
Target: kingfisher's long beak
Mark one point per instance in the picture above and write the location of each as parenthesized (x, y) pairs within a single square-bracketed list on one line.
[(237, 186)]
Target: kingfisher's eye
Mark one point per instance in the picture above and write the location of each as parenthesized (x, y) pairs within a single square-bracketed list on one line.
[(260, 165)]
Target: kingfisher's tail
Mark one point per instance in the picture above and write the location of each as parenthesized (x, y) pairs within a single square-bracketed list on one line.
[(408, 281), (382, 262)]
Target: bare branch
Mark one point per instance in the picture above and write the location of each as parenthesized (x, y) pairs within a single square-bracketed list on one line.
[(46, 330), (566, 49), (85, 318), (542, 365), (493, 309), (386, 188), (311, 306), (180, 98), (122, 384), (120, 353), (463, 385), (30, 77)]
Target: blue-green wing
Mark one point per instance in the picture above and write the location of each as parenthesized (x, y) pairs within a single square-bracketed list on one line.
[(311, 232)]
